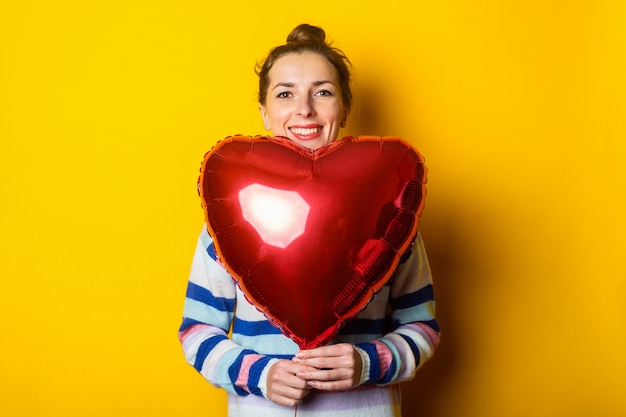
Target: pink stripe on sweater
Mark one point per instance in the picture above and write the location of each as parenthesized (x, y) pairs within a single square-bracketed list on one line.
[(191, 330), (431, 335), (244, 372)]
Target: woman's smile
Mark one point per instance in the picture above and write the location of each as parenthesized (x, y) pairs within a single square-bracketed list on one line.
[(306, 132)]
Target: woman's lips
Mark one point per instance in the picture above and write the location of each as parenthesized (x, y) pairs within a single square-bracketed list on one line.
[(306, 133)]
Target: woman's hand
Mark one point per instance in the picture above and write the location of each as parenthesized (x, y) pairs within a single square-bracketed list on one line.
[(330, 368), (284, 387)]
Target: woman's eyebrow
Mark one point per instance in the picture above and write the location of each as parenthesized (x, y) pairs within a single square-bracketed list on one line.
[(287, 85), (316, 83), (291, 85)]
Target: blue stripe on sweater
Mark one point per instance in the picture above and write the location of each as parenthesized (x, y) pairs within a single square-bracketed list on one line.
[(433, 325), (198, 293), (414, 348), (254, 328), (371, 351), (364, 326), (187, 322), (210, 250), (205, 348), (418, 297)]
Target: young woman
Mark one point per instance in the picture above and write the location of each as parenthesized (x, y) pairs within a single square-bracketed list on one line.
[(304, 95)]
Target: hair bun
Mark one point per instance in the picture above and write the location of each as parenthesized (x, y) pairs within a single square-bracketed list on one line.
[(305, 33)]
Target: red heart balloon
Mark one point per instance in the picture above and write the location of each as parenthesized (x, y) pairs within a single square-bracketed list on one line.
[(311, 236)]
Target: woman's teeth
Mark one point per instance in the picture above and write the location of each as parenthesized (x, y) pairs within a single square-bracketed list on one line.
[(305, 131)]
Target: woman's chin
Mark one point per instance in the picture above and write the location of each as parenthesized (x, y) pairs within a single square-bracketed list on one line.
[(311, 144)]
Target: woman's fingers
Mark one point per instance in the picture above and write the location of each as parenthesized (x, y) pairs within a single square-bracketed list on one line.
[(284, 387), (334, 367)]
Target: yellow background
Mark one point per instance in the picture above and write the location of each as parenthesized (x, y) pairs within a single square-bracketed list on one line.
[(107, 107)]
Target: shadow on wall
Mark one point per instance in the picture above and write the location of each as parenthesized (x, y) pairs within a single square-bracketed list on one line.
[(449, 256), (365, 116)]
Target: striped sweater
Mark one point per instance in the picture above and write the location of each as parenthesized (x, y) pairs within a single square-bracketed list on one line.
[(233, 345)]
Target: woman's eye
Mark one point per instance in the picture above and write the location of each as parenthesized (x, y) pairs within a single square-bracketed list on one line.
[(283, 94), (325, 93)]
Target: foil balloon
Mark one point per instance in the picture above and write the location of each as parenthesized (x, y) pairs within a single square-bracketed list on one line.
[(311, 236)]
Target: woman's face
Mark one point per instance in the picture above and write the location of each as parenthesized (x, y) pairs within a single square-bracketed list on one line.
[(303, 100)]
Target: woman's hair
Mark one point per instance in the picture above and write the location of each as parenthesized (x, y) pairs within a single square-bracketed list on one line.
[(307, 38)]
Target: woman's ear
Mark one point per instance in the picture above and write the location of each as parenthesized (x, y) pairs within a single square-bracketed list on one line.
[(266, 122), (345, 117)]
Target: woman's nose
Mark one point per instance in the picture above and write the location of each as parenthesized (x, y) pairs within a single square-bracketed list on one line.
[(305, 107)]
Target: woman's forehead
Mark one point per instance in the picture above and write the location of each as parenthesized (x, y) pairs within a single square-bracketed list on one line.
[(306, 67)]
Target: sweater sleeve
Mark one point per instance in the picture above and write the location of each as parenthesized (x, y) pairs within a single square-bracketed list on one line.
[(208, 314), (414, 334)]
